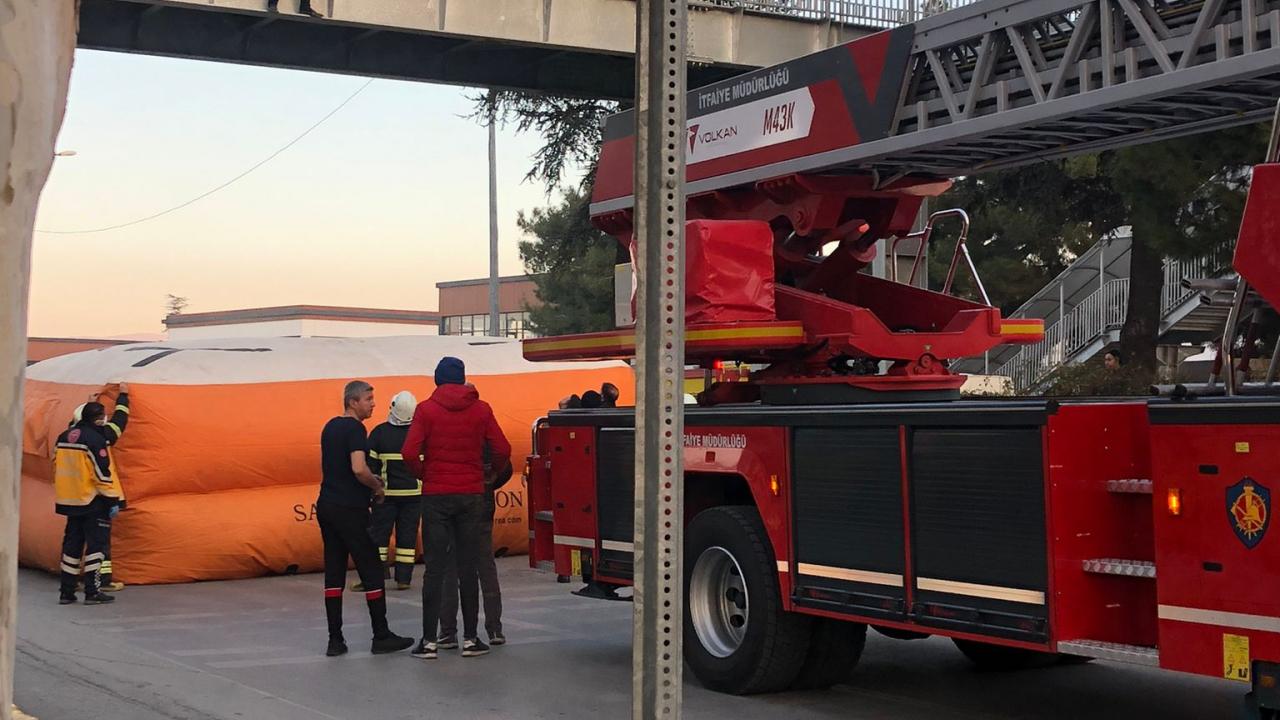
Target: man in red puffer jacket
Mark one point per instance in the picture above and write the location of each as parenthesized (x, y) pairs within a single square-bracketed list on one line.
[(445, 448)]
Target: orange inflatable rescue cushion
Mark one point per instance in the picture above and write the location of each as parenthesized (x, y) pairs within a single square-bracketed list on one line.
[(220, 461)]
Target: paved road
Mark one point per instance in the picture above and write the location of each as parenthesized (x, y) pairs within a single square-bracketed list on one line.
[(252, 650)]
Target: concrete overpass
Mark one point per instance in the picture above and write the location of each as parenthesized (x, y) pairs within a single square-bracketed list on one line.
[(570, 47)]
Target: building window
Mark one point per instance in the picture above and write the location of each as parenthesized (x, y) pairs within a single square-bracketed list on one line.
[(513, 324)]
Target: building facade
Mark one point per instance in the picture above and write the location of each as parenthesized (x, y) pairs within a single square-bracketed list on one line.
[(464, 306), (302, 321)]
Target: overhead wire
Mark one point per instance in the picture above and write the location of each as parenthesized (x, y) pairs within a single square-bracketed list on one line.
[(223, 185)]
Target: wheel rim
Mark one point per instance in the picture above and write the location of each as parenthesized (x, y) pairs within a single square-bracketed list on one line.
[(718, 601)]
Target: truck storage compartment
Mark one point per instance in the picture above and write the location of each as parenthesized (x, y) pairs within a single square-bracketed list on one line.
[(847, 500), (978, 531), (615, 500)]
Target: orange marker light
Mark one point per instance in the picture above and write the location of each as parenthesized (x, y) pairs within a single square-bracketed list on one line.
[(773, 484), (1175, 501)]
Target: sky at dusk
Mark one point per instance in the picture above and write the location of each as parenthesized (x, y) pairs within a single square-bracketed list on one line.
[(375, 206)]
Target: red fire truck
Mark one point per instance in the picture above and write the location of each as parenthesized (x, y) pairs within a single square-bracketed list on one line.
[(845, 485)]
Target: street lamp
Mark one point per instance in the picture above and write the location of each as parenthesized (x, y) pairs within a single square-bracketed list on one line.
[(65, 153)]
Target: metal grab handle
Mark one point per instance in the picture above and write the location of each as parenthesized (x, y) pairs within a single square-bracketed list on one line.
[(961, 249)]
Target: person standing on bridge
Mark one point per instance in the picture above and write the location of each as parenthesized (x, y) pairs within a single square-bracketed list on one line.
[(450, 430), (346, 489), (304, 8)]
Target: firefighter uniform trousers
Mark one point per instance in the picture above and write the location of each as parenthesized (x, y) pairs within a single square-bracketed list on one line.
[(88, 533), (400, 514), (401, 510)]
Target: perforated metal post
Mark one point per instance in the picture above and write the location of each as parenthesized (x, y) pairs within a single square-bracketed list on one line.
[(659, 227)]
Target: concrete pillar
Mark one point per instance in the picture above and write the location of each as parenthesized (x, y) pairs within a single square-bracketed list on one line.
[(37, 38)]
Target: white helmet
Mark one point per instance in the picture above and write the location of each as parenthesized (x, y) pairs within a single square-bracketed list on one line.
[(402, 407), (78, 415)]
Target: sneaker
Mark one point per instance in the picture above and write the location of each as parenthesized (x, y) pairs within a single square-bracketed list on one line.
[(403, 586), (447, 642), (497, 638), (389, 644), (357, 586), (112, 586), (425, 650), (474, 648), (66, 599), (99, 599), (337, 646)]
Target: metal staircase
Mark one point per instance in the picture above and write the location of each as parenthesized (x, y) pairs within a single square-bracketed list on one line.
[(1095, 322)]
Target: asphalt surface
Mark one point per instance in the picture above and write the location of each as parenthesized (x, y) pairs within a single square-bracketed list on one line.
[(253, 649)]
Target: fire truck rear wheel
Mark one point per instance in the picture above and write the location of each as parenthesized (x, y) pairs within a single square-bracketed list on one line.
[(834, 649), (1002, 657), (738, 639)]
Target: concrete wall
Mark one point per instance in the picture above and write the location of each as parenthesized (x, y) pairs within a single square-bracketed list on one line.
[(36, 42)]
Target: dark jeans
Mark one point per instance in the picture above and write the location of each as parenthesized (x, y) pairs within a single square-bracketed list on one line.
[(89, 534), (345, 532), (452, 527), (403, 515), (490, 592)]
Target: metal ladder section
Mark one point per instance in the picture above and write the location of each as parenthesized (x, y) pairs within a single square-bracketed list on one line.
[(1138, 570), (1000, 83)]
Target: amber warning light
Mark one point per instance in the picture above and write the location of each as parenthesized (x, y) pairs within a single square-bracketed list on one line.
[(1175, 501)]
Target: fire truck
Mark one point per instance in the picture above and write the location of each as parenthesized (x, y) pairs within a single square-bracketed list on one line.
[(845, 485)]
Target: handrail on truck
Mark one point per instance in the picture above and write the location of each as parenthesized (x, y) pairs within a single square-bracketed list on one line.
[(925, 235)]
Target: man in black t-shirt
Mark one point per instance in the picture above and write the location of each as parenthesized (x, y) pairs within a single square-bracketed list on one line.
[(342, 510)]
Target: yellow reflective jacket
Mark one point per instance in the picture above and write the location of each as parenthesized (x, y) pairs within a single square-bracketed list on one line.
[(83, 467)]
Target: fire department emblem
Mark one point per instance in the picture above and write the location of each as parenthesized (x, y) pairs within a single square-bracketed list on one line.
[(1249, 510)]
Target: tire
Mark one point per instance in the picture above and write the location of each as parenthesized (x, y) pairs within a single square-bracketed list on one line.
[(834, 649), (738, 639), (897, 634), (987, 656), (1064, 659)]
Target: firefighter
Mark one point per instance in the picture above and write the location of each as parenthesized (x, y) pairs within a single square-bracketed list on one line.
[(87, 491), (402, 507), (347, 489), (107, 574)]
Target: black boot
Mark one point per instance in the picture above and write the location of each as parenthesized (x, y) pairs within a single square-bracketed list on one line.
[(337, 646), (273, 6), (304, 8), (98, 598), (390, 643)]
